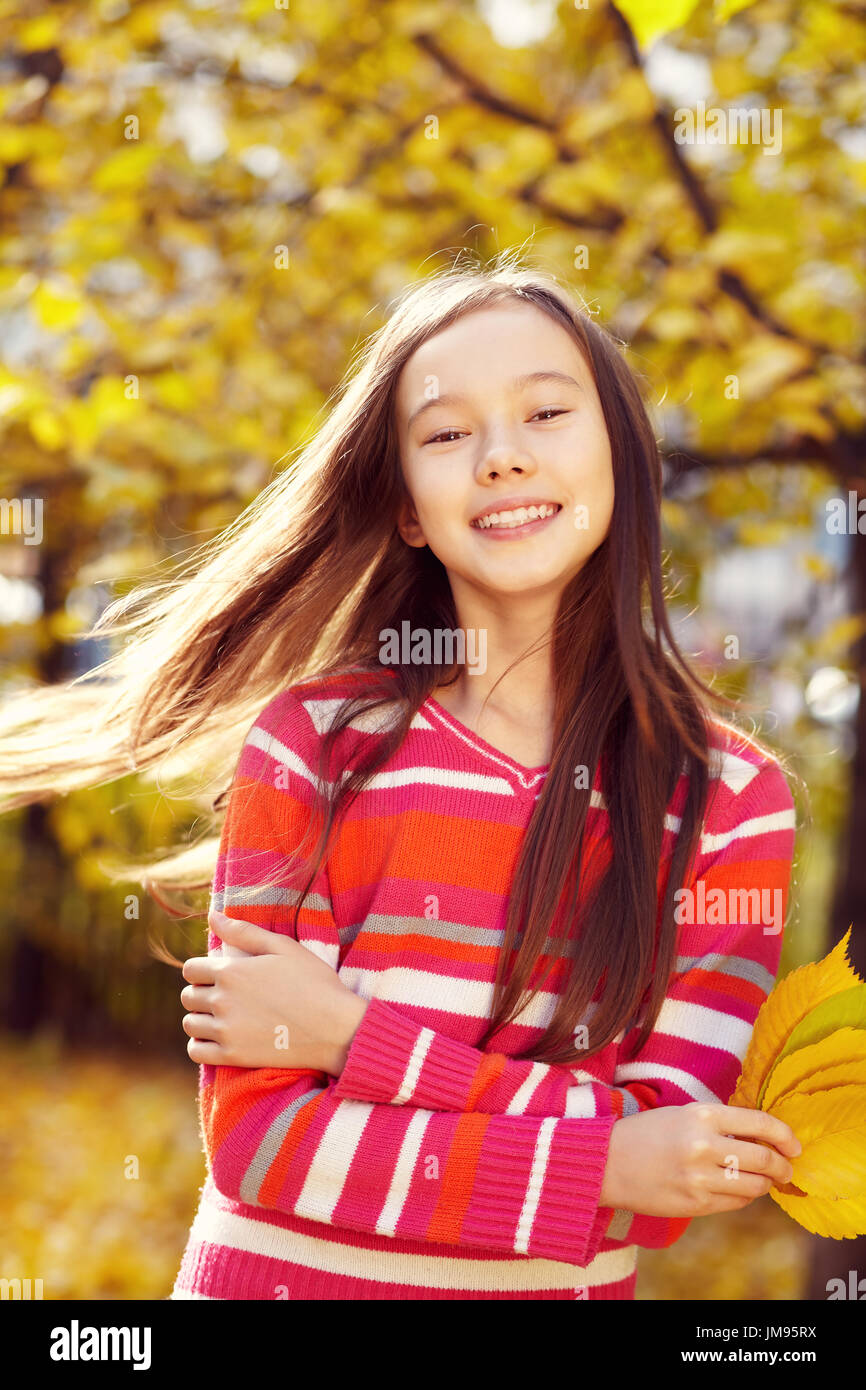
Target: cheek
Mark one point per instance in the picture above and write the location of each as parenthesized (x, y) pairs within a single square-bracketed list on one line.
[(595, 485)]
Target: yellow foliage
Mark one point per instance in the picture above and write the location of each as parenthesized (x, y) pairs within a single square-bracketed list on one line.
[(789, 1002), (806, 1065), (830, 1126)]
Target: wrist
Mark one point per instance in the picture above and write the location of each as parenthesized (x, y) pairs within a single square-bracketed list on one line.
[(611, 1194), (353, 1009)]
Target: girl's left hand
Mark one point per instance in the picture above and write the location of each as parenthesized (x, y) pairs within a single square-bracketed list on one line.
[(277, 1006)]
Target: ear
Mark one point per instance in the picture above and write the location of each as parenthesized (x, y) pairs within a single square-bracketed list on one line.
[(408, 524)]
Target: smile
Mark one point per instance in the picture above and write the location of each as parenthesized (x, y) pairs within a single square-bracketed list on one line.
[(516, 521)]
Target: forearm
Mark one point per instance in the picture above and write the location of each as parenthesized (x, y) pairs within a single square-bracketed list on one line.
[(518, 1184)]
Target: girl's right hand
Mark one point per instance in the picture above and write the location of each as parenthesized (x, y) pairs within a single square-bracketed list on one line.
[(696, 1159)]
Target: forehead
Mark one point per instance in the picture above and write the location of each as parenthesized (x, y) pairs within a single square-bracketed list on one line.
[(485, 349)]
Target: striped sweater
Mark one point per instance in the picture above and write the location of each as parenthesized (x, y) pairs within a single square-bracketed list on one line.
[(430, 1169)]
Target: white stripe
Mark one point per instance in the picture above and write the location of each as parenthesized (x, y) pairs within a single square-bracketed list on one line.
[(525, 778), (734, 771), (217, 1226), (419, 722), (535, 1184), (757, 825), (403, 1170), (322, 714), (696, 1023), (656, 1071), (399, 777), (580, 1102), (326, 1175), (421, 776), (281, 753), (422, 1046), (518, 1103), (426, 989)]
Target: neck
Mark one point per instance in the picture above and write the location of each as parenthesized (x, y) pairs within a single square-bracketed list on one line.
[(511, 628)]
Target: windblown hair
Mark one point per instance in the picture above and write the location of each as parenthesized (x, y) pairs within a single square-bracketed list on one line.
[(303, 582)]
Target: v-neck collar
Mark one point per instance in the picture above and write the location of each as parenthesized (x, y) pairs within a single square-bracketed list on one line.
[(527, 778)]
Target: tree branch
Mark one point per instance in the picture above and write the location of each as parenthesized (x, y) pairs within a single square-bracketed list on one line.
[(702, 205)]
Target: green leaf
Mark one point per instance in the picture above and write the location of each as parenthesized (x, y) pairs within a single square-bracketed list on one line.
[(845, 1010)]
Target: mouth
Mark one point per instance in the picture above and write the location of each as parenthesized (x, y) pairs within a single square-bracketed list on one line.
[(516, 521)]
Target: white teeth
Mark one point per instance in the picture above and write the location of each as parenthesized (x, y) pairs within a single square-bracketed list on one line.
[(518, 517)]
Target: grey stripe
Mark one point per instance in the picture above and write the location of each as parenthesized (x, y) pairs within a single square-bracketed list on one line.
[(270, 1147), (434, 927), (269, 896), (629, 1104), (620, 1224), (741, 969)]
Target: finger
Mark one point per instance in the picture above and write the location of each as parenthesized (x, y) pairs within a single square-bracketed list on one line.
[(748, 1185), (739, 1158), (759, 1124), (733, 1203), (200, 970), (257, 941), (200, 1026), (246, 935), (198, 998), (202, 1051)]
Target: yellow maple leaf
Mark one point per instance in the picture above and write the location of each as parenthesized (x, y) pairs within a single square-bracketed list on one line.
[(826, 1063), (786, 1005), (831, 1126), (840, 1220), (806, 1065)]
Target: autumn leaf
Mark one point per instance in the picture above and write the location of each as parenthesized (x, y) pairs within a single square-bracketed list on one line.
[(651, 18), (789, 1002), (806, 1065)]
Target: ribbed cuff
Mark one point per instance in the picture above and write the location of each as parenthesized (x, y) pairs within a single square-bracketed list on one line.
[(545, 1176), (387, 1056)]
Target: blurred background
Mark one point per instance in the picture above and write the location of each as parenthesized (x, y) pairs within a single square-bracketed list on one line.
[(205, 207)]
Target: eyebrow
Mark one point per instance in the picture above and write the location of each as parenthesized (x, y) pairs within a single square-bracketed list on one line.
[(519, 383)]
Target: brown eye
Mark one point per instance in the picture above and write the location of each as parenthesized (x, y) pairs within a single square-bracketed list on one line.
[(436, 438)]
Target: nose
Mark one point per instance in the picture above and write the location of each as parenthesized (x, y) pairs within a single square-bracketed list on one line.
[(501, 460)]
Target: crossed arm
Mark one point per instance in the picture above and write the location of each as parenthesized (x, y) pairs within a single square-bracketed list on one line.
[(522, 1144)]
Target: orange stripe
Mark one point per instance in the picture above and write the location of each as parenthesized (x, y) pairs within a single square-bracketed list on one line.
[(748, 873), (729, 985), (369, 939), (278, 1172), (237, 1090), (490, 1069), (410, 846), (255, 805), (458, 1179)]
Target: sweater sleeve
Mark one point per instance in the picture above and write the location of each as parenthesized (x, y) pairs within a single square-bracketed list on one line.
[(283, 1139), (726, 966)]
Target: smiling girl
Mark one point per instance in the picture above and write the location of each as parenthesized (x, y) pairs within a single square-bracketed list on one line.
[(454, 1042)]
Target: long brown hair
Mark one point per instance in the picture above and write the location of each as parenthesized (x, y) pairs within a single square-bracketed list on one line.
[(304, 582)]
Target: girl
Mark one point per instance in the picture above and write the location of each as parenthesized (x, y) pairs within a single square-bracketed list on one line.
[(467, 1027)]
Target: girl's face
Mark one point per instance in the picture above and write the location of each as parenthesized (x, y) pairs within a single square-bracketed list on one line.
[(504, 452)]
